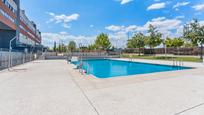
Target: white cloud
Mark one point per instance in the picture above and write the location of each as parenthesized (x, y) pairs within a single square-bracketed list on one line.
[(198, 7), (91, 26), (119, 34), (202, 23), (159, 19), (114, 28), (118, 39), (180, 17), (179, 4), (168, 27), (64, 37), (161, 23), (157, 6), (64, 19), (66, 25), (122, 2), (165, 26), (179, 32), (131, 28), (177, 9)]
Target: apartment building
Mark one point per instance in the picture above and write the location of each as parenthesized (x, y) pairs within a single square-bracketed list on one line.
[(15, 23)]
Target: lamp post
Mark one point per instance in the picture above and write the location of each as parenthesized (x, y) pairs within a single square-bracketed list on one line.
[(17, 32), (165, 46), (165, 50), (10, 49), (18, 19), (203, 61)]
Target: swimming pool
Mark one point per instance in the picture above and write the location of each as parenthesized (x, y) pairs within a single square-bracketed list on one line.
[(105, 68)]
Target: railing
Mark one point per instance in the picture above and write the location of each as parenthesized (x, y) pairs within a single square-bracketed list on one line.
[(178, 64), (16, 58), (81, 55), (176, 51), (82, 71), (88, 71)]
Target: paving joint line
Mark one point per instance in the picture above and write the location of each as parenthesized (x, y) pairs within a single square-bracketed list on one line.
[(189, 109), (87, 98)]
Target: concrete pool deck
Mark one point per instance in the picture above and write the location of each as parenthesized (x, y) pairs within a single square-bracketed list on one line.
[(53, 87)]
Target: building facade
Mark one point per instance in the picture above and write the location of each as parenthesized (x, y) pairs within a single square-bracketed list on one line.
[(15, 23)]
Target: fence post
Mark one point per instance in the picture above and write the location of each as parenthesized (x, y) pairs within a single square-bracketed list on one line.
[(1, 60), (30, 57), (9, 60), (203, 60)]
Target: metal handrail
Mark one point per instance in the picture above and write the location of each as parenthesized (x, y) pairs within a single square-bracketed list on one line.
[(10, 48), (178, 63), (88, 68)]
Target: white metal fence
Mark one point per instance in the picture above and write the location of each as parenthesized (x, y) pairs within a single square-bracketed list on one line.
[(13, 58), (84, 55)]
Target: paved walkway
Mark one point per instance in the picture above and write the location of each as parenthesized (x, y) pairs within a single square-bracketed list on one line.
[(41, 88), (50, 88)]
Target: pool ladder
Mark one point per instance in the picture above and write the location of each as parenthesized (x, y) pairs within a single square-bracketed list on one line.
[(87, 71), (178, 63), (131, 59), (81, 68)]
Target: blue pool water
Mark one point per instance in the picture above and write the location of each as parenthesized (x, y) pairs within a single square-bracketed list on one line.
[(105, 68)]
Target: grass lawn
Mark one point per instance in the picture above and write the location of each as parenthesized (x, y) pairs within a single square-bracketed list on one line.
[(179, 58)]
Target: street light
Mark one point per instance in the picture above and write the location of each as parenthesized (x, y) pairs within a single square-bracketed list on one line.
[(165, 48), (17, 31), (10, 49)]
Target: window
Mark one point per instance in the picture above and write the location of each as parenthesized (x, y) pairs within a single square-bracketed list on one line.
[(7, 16), (9, 6)]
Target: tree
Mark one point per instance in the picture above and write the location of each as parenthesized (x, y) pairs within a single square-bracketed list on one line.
[(72, 46), (168, 42), (176, 42), (63, 48), (91, 47), (102, 42), (138, 41), (55, 46), (188, 44), (154, 38), (194, 32), (60, 48)]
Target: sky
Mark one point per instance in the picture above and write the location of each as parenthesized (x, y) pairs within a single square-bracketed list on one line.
[(82, 20)]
